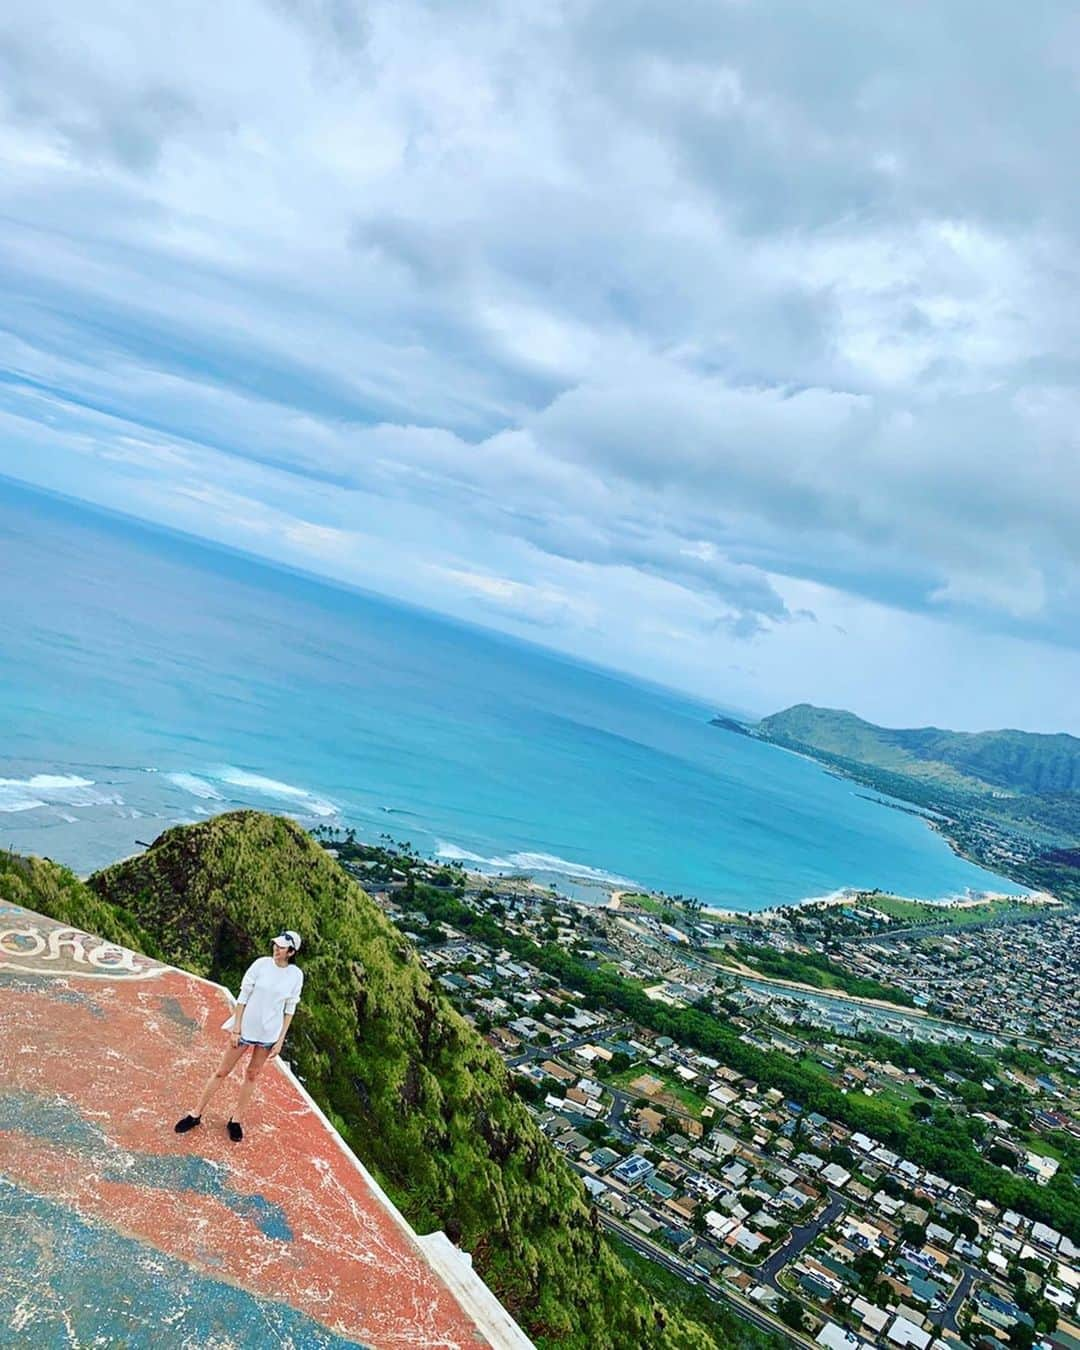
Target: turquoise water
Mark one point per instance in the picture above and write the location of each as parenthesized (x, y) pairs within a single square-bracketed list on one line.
[(147, 679)]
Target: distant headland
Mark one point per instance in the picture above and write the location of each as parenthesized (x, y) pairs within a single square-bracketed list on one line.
[(1007, 800)]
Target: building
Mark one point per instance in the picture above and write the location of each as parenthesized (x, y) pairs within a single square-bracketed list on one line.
[(633, 1170)]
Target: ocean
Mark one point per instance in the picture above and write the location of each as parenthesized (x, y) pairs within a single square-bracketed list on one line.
[(148, 679)]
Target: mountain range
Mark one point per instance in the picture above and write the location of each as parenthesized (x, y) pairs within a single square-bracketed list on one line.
[(1007, 799), (1012, 762)]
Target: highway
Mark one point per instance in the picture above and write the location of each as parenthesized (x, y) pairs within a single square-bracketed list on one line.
[(740, 1306)]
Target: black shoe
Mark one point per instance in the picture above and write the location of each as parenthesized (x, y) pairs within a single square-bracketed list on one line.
[(188, 1123), (236, 1132)]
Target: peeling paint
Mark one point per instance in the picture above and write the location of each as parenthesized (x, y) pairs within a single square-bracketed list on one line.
[(64, 1280)]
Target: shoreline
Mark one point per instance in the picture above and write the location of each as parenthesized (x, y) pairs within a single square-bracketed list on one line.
[(611, 896), (590, 887), (844, 896), (117, 790), (936, 819)]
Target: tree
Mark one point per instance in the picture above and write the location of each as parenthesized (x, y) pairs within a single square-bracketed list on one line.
[(791, 1313), (526, 1089), (868, 1267)]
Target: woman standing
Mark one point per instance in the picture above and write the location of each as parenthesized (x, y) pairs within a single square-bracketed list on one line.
[(269, 994)]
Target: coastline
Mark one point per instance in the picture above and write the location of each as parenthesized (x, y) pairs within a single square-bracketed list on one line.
[(937, 819), (590, 887), (844, 896), (537, 872), (87, 813)]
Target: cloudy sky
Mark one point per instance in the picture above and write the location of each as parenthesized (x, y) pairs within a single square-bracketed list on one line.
[(733, 343)]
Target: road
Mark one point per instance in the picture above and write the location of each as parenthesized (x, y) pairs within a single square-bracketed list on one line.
[(952, 1308), (802, 1235), (620, 1101)]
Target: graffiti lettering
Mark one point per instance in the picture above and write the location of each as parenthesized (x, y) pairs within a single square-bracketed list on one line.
[(14, 942), (70, 952)]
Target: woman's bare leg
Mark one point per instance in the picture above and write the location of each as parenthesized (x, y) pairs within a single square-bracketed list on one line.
[(228, 1063), (247, 1087)]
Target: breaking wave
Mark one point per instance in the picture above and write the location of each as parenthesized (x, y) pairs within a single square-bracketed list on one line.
[(533, 862), (305, 802), (52, 789), (198, 787)]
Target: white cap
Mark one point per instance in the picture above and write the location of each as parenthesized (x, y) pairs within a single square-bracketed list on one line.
[(288, 938)]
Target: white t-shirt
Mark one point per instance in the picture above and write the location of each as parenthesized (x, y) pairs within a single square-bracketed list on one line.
[(268, 991)]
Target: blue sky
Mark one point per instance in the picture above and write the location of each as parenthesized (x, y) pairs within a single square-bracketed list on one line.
[(733, 344)]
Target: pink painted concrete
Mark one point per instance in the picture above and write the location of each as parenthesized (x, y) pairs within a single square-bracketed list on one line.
[(121, 1047)]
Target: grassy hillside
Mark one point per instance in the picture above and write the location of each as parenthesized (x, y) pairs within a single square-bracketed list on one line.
[(48, 889), (819, 971), (418, 1094)]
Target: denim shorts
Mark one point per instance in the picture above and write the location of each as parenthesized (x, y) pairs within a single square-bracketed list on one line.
[(263, 1045)]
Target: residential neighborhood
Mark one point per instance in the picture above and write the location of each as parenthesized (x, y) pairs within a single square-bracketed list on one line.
[(816, 1229)]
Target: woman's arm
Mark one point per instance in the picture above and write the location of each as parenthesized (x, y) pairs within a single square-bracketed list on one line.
[(238, 1023), (247, 988), (276, 1049)]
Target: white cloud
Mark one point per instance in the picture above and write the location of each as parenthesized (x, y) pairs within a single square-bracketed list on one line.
[(543, 605), (602, 307)]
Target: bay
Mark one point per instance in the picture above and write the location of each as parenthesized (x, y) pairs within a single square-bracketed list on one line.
[(147, 679)]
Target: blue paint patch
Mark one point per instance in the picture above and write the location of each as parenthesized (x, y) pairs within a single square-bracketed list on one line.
[(47, 986), (59, 1122), (186, 1172), (63, 1278), (50, 1118), (173, 1009), (22, 942)]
